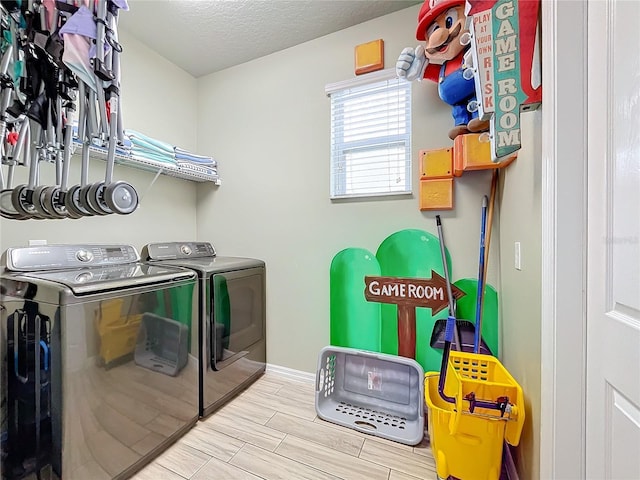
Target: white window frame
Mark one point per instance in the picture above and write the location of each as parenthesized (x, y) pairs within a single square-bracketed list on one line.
[(340, 148)]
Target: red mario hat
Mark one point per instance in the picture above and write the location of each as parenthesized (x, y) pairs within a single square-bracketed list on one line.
[(429, 11)]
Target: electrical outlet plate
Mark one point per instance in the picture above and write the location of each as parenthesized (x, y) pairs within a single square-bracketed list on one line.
[(517, 257)]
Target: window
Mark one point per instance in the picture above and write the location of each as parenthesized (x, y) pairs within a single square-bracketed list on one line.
[(370, 136)]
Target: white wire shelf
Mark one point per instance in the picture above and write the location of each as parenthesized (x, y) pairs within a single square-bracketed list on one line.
[(184, 170)]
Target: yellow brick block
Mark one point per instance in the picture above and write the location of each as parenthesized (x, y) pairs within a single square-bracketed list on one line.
[(369, 57), (469, 153), (436, 194), (436, 163)]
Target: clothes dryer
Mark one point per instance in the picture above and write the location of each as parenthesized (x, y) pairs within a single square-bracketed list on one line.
[(231, 309)]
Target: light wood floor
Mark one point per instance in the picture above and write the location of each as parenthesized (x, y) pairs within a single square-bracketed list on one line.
[(271, 431)]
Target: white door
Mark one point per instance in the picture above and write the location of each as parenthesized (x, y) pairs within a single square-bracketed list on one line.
[(613, 242)]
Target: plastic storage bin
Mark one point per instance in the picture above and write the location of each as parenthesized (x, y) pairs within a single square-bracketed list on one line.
[(372, 393), (469, 445)]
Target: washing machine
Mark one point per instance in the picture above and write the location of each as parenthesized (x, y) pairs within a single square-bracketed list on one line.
[(231, 309), (99, 361)]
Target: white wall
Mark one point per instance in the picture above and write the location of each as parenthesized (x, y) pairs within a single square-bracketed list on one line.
[(521, 290), (158, 99), (267, 123)]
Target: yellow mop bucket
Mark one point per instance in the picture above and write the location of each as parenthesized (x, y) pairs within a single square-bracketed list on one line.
[(466, 438)]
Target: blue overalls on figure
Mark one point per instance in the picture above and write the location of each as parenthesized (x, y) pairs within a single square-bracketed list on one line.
[(458, 92)]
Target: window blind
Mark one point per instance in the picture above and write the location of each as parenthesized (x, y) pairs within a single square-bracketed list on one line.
[(370, 138)]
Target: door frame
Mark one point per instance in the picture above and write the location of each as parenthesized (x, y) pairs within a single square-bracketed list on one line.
[(564, 243)]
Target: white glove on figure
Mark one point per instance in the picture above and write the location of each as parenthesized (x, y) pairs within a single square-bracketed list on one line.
[(412, 63)]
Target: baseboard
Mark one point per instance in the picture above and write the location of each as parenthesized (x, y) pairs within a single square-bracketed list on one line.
[(298, 375)]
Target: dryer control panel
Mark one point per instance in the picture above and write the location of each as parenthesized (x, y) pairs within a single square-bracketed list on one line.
[(177, 250), (57, 257)]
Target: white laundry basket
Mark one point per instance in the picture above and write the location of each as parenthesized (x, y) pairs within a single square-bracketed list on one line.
[(374, 393)]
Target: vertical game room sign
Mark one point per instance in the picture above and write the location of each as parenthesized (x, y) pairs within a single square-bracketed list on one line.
[(505, 51)]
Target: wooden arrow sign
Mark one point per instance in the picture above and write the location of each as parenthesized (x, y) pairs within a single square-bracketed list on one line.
[(407, 294), (417, 292)]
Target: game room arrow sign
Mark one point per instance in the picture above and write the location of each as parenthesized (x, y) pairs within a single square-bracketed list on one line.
[(407, 294)]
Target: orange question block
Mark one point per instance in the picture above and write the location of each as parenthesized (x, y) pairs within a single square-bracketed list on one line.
[(436, 163)]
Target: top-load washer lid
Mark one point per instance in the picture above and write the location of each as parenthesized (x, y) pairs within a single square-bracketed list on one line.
[(88, 269), (100, 279), (220, 264), (200, 256)]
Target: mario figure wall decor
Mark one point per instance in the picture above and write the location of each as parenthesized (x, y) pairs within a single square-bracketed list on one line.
[(442, 26)]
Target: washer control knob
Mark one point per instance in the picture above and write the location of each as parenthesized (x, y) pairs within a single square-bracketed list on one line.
[(84, 277), (84, 255), (185, 249)]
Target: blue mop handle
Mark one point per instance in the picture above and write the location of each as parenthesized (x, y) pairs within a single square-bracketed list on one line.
[(483, 225), (448, 337)]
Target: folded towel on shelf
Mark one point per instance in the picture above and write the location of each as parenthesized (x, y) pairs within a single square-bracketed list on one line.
[(143, 140), (199, 159), (182, 154), (154, 157), (143, 146), (153, 153), (122, 150), (182, 151)]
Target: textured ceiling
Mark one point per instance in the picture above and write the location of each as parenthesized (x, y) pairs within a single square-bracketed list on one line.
[(204, 36)]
